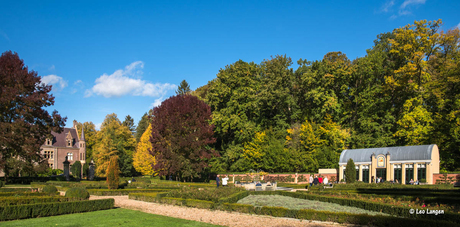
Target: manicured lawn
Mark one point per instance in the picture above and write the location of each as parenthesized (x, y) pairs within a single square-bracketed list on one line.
[(113, 217), (296, 204)]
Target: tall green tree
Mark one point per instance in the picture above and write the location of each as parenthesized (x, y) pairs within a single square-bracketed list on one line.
[(129, 122), (181, 135), (76, 169), (233, 98), (24, 122), (114, 139), (183, 88), (142, 126), (350, 172)]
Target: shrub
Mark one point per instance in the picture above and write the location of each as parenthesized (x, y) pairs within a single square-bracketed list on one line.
[(113, 173), (78, 193), (50, 189), (1, 183), (350, 172), (76, 169)]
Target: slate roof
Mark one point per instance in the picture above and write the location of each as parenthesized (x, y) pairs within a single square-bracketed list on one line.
[(59, 139), (421, 152)]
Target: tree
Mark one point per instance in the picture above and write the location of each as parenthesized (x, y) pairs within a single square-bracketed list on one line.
[(89, 128), (76, 169), (114, 139), (129, 122), (143, 160), (24, 123), (142, 126), (113, 173), (183, 88), (350, 172), (181, 135)]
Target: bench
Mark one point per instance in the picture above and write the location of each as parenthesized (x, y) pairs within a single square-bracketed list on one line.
[(331, 186)]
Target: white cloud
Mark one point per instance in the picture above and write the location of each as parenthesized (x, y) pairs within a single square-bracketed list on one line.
[(411, 2), (121, 82), (54, 80), (157, 102), (387, 6), (404, 8), (52, 68), (2, 33), (458, 25), (98, 126), (77, 85)]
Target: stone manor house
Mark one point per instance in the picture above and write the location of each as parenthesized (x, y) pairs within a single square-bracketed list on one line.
[(67, 143)]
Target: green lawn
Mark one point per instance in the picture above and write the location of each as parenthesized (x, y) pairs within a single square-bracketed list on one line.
[(113, 217)]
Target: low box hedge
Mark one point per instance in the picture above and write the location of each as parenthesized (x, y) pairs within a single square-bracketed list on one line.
[(340, 217), (367, 205), (52, 209), (114, 192), (17, 189), (8, 194), (10, 201)]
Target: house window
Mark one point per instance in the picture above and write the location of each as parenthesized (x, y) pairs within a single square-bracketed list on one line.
[(69, 143), (51, 165), (69, 156), (51, 156)]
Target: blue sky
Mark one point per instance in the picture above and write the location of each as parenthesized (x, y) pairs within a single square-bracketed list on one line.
[(125, 57)]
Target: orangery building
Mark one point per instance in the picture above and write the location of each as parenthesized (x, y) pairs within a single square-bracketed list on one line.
[(397, 164)]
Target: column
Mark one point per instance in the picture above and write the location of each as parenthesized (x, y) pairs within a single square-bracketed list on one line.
[(429, 174), (360, 172), (388, 167), (415, 172), (403, 173), (340, 173), (392, 172), (373, 166)]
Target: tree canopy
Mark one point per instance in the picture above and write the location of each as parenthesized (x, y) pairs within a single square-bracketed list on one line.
[(114, 139), (181, 135), (183, 88), (24, 123)]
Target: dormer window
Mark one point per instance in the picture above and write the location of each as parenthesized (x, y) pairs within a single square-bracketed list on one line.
[(48, 142), (69, 140)]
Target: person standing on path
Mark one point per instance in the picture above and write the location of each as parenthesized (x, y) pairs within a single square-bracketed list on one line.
[(217, 180), (311, 180), (224, 181)]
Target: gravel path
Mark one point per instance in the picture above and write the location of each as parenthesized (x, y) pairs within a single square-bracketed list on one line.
[(216, 217)]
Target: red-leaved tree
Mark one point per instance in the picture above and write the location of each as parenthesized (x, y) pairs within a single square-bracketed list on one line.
[(181, 134), (24, 124)]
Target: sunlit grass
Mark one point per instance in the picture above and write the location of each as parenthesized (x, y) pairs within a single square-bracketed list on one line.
[(113, 217)]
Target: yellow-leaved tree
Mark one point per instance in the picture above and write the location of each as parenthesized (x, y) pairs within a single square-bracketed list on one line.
[(143, 160)]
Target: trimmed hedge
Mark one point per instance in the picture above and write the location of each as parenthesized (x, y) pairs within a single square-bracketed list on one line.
[(17, 189), (339, 217), (52, 209), (23, 194), (9, 201), (148, 197), (114, 192), (77, 193), (372, 206)]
